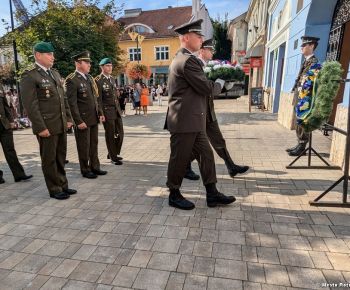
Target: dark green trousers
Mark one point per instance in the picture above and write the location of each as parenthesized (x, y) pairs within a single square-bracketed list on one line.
[(6, 139), (114, 134), (53, 151), (87, 141), (183, 146)]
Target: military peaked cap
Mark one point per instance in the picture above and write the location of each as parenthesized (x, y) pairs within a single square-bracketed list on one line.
[(195, 27), (105, 60), (43, 47), (309, 40), (208, 44), (85, 55)]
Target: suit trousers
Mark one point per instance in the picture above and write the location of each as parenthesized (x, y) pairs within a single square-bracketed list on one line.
[(53, 151), (182, 146), (114, 134), (217, 141), (6, 139), (87, 141)]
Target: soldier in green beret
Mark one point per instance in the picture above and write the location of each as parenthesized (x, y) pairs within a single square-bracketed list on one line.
[(82, 96), (109, 95), (47, 107)]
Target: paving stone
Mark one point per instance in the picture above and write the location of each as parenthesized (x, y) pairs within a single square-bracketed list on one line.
[(77, 285), (186, 264), (151, 279), (232, 237), (156, 231), (52, 248), (186, 247), (249, 254), (195, 282), (176, 281), (227, 251), (336, 245), (164, 261), (66, 268), (37, 282), (294, 242), (268, 255), (84, 252), (109, 274), (12, 260), (17, 280), (112, 240), (126, 276), (276, 274), (339, 261), (320, 260), (88, 271), (203, 266), (105, 255), (305, 277), (256, 272), (224, 284), (93, 238), (202, 249), (175, 232), (32, 264), (166, 245), (230, 269), (125, 228), (251, 286), (140, 259), (297, 258)]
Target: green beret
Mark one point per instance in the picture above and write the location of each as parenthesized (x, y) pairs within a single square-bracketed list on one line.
[(43, 47), (105, 60)]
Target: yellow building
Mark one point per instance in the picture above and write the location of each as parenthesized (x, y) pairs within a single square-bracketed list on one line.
[(159, 44)]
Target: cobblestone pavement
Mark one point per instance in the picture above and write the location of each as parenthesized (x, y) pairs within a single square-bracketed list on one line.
[(119, 233)]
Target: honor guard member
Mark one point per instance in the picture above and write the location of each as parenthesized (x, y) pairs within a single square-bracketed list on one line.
[(109, 101), (186, 119), (6, 139), (308, 47), (47, 108), (214, 134), (82, 94)]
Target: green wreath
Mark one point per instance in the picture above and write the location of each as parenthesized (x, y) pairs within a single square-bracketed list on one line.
[(325, 89)]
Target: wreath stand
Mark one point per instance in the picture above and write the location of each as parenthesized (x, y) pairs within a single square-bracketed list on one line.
[(345, 177), (309, 150)]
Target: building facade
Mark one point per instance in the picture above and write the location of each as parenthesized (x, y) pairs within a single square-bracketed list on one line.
[(237, 33), (160, 42), (288, 20)]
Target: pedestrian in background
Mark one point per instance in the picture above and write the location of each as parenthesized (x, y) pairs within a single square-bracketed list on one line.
[(144, 99), (159, 92)]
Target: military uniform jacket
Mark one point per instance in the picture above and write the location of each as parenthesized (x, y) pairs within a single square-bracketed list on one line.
[(82, 97), (5, 112), (44, 100), (303, 70), (107, 90), (188, 94)]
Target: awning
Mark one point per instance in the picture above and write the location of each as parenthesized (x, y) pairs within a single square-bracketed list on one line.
[(256, 51)]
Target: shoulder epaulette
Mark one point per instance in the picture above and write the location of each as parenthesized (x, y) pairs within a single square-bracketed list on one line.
[(30, 68), (70, 76), (98, 78)]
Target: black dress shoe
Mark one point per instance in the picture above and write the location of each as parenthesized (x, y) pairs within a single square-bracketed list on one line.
[(99, 172), (191, 175), (177, 200), (59, 195), (24, 177), (235, 169), (66, 161), (117, 162), (218, 198), (108, 156), (119, 158), (89, 175), (300, 148), (293, 148), (70, 191)]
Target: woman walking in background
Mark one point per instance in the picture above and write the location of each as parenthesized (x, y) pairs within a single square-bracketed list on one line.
[(122, 100), (144, 99)]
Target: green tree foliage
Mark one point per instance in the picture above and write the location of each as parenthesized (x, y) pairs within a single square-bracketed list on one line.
[(71, 26), (222, 44)]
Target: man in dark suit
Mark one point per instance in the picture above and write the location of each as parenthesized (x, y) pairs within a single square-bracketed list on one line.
[(186, 119), (44, 100), (212, 127), (109, 102), (308, 47), (82, 94), (6, 139)]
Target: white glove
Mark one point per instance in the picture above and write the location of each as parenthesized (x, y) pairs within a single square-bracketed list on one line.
[(229, 85), (221, 82)]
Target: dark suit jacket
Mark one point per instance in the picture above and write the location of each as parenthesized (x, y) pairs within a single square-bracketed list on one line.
[(44, 100), (5, 112), (188, 94), (82, 97), (109, 101)]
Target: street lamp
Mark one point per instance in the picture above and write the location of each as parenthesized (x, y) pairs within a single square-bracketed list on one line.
[(138, 38)]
